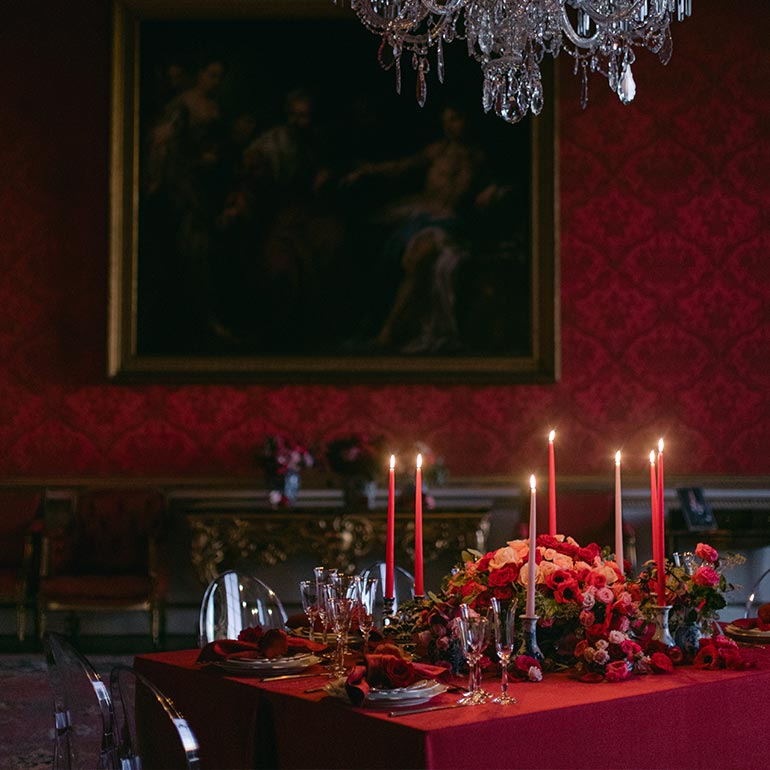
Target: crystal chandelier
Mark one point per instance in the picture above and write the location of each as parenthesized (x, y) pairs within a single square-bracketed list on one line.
[(509, 39)]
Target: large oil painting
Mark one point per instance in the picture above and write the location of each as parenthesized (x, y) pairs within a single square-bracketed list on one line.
[(280, 212)]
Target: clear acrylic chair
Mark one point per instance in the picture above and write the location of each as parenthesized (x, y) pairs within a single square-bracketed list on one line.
[(234, 601), (149, 731), (753, 596), (403, 587), (82, 708)]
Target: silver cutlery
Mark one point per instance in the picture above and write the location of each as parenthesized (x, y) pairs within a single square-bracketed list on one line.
[(289, 676), (423, 710)]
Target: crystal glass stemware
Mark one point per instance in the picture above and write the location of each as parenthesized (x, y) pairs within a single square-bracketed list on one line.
[(322, 576), (339, 606), (473, 633), (366, 601), (308, 591), (504, 627)]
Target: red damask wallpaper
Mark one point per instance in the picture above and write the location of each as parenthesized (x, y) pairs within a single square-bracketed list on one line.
[(665, 210)]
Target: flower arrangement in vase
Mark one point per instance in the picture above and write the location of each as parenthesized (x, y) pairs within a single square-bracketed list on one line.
[(282, 460), (695, 589)]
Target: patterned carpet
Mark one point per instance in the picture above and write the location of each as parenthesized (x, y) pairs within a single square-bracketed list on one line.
[(26, 710)]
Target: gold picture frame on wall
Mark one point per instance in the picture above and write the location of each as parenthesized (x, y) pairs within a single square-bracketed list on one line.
[(280, 213)]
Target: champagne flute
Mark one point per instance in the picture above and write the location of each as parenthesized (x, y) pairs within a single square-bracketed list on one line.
[(504, 625), (338, 607), (308, 591), (322, 576), (473, 632), (366, 600)]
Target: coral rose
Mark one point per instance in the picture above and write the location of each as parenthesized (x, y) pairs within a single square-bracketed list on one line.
[(706, 552)]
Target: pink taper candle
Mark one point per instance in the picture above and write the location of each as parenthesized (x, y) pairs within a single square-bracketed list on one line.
[(551, 485), (618, 516), (661, 500), (657, 545), (532, 549), (419, 587), (391, 532)]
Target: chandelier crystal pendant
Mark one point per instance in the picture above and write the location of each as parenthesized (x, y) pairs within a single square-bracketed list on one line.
[(509, 38)]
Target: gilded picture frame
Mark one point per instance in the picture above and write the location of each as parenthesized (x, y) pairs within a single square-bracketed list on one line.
[(280, 213)]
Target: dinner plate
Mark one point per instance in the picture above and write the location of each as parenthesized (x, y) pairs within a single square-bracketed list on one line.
[(288, 665), (747, 634), (414, 695)]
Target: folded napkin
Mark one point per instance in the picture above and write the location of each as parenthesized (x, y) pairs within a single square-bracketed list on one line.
[(749, 624), (387, 671), (224, 649)]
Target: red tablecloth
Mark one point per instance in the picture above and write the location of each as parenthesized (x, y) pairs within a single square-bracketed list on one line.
[(690, 719)]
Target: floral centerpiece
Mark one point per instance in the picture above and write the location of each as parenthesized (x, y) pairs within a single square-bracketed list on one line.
[(695, 589), (282, 460), (582, 598)]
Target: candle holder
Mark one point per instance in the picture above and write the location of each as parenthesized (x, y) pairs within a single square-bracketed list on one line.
[(529, 644), (662, 633), (388, 618)]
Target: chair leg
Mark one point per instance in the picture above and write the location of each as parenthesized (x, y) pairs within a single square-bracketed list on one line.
[(41, 619)]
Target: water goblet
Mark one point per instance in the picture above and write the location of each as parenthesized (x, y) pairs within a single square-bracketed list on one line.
[(473, 633), (503, 627), (308, 591)]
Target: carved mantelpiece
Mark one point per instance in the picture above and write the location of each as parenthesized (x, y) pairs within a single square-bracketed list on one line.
[(347, 540)]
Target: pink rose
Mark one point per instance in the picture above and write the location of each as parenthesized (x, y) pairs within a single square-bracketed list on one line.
[(706, 576), (605, 595), (706, 552)]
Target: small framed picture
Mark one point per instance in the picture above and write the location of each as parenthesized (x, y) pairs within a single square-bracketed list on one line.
[(697, 513)]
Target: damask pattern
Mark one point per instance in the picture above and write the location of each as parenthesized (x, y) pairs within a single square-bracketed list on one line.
[(665, 235)]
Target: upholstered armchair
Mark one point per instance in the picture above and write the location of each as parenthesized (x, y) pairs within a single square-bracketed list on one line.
[(105, 557), (19, 511)]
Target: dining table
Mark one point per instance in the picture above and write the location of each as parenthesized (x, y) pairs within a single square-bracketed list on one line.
[(691, 718)]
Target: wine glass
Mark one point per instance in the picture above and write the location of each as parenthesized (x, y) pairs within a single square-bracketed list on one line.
[(308, 591), (473, 633), (367, 594), (503, 626), (339, 606)]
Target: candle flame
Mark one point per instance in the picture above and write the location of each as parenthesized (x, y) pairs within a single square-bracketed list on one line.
[(652, 457), (660, 445), (551, 436), (419, 461), (617, 457), (532, 482), (392, 462)]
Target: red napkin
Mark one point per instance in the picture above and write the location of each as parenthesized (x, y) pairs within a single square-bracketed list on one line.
[(387, 671), (748, 624), (222, 649)]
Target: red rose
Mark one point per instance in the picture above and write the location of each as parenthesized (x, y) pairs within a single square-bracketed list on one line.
[(706, 552), (472, 588), (597, 579), (522, 665), (274, 643), (568, 549), (483, 563), (547, 541), (763, 613), (661, 663), (589, 552), (503, 576), (630, 649), (617, 671), (399, 672), (503, 593)]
